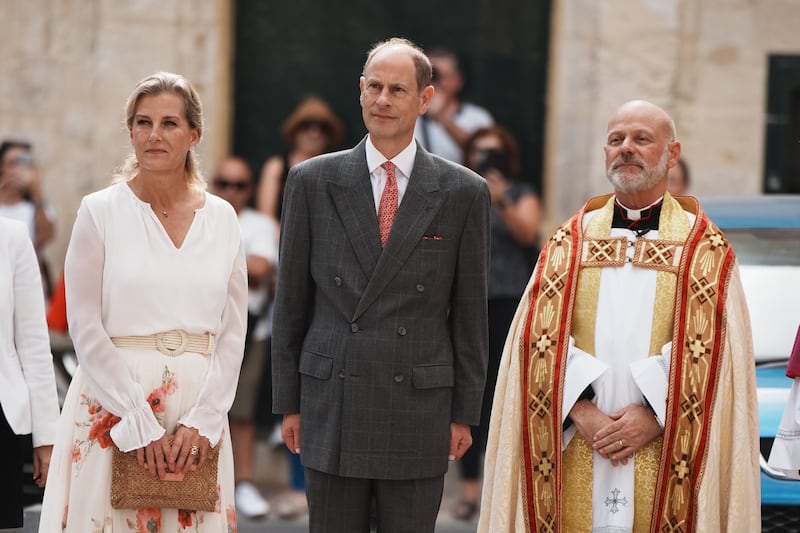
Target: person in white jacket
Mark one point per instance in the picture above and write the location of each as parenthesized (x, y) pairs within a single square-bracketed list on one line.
[(28, 399)]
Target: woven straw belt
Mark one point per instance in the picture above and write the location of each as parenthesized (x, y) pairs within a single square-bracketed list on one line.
[(172, 342)]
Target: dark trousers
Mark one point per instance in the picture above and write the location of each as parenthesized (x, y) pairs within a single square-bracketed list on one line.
[(12, 479), (339, 504), (501, 313)]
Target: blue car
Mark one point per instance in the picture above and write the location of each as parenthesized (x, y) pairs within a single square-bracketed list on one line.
[(765, 233)]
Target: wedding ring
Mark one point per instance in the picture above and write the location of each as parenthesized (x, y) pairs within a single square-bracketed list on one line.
[(194, 450), (621, 444)]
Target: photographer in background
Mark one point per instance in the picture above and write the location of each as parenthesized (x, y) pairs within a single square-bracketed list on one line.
[(21, 198), (449, 121), (493, 153)]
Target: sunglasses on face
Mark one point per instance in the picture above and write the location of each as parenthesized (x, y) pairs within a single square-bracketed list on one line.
[(222, 183), (309, 124)]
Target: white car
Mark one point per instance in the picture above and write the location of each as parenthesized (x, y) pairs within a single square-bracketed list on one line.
[(765, 234)]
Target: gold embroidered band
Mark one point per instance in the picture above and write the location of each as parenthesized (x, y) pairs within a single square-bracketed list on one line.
[(657, 254), (609, 252), (654, 254)]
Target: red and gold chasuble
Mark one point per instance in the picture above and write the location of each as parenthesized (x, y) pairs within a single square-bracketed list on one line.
[(698, 266)]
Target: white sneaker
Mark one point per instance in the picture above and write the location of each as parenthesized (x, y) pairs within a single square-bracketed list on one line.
[(249, 501), (275, 439)]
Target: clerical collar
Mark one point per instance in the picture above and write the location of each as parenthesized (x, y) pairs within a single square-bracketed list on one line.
[(639, 221)]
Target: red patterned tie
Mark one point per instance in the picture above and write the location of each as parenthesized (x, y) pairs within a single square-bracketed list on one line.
[(388, 205)]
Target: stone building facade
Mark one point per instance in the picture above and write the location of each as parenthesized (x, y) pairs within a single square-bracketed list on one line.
[(704, 61), (69, 66)]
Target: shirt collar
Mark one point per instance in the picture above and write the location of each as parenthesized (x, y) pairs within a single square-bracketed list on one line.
[(404, 161), (636, 214)]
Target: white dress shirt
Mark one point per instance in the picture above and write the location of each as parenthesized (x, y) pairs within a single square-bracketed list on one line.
[(404, 161)]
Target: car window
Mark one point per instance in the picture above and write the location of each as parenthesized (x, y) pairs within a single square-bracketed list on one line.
[(766, 246)]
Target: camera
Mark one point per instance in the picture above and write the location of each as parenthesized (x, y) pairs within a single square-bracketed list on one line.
[(493, 158)]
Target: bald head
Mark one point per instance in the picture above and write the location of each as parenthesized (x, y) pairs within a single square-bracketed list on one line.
[(640, 149), (647, 111)]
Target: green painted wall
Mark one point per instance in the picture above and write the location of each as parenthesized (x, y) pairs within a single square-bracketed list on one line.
[(286, 50)]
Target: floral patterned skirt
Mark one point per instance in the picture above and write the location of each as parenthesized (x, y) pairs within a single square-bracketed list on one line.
[(78, 494)]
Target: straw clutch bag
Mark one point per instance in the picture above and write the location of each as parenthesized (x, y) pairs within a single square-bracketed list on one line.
[(133, 488)]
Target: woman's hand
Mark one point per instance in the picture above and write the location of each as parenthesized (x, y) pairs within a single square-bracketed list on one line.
[(189, 450), (153, 457), (41, 464)]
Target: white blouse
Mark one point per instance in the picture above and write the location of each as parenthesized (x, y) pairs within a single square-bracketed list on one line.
[(124, 276)]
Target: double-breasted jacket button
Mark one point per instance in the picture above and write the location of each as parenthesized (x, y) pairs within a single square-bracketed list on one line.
[(338, 281), (420, 287), (341, 374), (401, 331), (398, 378), (354, 327)]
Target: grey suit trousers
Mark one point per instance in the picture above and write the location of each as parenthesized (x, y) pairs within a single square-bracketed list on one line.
[(338, 504)]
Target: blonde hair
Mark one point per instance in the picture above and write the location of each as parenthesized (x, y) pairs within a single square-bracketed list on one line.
[(158, 83)]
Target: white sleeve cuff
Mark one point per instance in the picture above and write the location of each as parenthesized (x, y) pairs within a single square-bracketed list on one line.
[(582, 370), (208, 423), (651, 376), (136, 429), (785, 454)]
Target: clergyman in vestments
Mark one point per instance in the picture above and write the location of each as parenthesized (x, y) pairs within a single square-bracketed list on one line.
[(626, 398)]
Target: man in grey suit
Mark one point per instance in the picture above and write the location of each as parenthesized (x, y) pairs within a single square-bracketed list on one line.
[(379, 350)]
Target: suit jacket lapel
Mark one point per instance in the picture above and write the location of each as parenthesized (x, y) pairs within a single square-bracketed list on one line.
[(420, 204), (352, 195)]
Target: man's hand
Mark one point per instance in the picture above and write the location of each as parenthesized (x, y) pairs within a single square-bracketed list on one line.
[(290, 431), (41, 464), (632, 428), (460, 440), (588, 419)]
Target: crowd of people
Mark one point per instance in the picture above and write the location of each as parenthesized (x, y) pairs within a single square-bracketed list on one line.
[(393, 305)]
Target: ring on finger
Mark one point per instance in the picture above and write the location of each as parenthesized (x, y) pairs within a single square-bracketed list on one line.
[(621, 444), (194, 450)]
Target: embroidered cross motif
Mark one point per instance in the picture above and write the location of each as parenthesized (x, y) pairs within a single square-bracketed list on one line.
[(681, 468), (604, 252), (560, 235), (673, 525), (657, 254), (697, 347), (615, 500), (540, 405), (717, 240), (692, 407), (703, 290), (544, 343), (544, 467), (553, 286)]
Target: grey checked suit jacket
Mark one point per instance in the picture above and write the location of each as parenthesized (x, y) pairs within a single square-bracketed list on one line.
[(379, 350)]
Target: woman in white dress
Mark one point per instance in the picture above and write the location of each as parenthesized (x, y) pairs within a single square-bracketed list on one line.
[(156, 302)]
